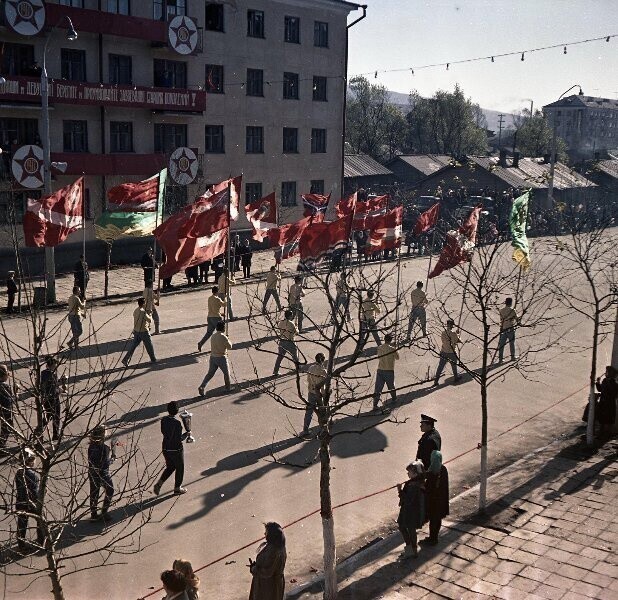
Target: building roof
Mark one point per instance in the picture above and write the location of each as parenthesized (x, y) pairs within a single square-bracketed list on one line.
[(577, 101), (533, 173), (362, 165), (427, 164), (609, 167)]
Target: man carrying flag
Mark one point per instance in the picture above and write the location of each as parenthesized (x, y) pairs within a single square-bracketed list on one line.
[(517, 221)]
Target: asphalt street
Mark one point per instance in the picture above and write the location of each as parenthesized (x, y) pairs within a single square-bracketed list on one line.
[(234, 484)]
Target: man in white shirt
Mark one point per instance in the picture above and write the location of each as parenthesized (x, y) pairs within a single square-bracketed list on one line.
[(316, 377), (273, 280), (295, 301)]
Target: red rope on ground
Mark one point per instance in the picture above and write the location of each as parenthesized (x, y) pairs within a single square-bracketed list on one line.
[(377, 493)]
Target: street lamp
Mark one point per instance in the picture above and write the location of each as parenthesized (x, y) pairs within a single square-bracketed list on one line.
[(552, 158), (50, 263)]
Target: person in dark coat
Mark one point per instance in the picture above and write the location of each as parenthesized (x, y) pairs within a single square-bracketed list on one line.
[(11, 291), (51, 388), (204, 267), (7, 402), (82, 275), (100, 458), (173, 451), (429, 441), (148, 264), (245, 258), (268, 579), (235, 254), (26, 499), (606, 407), (218, 264), (411, 507)]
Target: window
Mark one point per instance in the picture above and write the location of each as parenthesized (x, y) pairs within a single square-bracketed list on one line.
[(75, 136), (320, 34), (255, 23), (317, 186), (318, 141), (290, 139), (290, 86), (120, 7), (319, 88), (16, 132), (120, 69), (255, 82), (255, 140), (215, 141), (253, 192), (73, 64), (169, 136), (17, 59), (162, 9), (288, 193), (73, 3), (214, 17), (292, 30), (121, 136), (214, 79), (13, 205), (170, 73), (175, 198)]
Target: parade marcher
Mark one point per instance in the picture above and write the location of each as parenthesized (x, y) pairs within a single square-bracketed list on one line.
[(295, 301), (342, 296), (141, 333), (411, 508), (26, 499), (215, 306), (77, 312), (175, 585), (316, 377), (508, 322), (419, 301), (287, 332), (225, 283), (606, 406), (219, 346), (100, 458), (268, 568), (7, 402), (448, 351), (387, 355), (82, 275), (273, 280), (149, 265), (173, 451), (193, 581), (246, 256), (51, 388), (11, 291), (152, 299), (369, 311)]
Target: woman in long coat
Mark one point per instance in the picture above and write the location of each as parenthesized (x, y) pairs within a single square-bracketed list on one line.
[(606, 408), (436, 496), (268, 580), (411, 508)]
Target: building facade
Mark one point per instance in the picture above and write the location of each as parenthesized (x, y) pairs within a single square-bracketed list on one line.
[(252, 87), (587, 124)]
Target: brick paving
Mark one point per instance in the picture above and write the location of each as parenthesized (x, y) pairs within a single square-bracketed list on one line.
[(551, 534)]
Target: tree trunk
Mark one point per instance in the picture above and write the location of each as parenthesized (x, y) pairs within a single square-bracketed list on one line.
[(484, 419), (54, 575), (326, 512), (107, 265), (593, 374)]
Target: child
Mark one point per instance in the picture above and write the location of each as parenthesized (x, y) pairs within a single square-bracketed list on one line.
[(412, 508)]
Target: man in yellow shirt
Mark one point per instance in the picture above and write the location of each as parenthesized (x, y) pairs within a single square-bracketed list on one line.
[(369, 311), (219, 345), (448, 350), (316, 377), (215, 306), (295, 301), (342, 298), (508, 322), (387, 355), (141, 333), (273, 280), (77, 308), (152, 299), (287, 332), (419, 301), (225, 283)]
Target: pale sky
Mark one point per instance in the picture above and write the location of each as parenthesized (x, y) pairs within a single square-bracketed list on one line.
[(405, 33)]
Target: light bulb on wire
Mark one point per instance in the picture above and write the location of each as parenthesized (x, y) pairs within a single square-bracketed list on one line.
[(565, 50), (522, 56)]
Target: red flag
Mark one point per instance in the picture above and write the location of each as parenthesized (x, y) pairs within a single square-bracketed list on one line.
[(459, 244), (321, 239), (262, 214), (234, 186), (287, 239), (140, 196), (369, 210), (315, 204), (205, 216), (427, 220), (346, 206), (49, 220), (385, 231)]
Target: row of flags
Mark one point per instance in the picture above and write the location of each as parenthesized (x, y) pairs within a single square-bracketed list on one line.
[(200, 230)]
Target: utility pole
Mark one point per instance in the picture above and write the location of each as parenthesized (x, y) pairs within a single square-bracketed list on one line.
[(500, 125)]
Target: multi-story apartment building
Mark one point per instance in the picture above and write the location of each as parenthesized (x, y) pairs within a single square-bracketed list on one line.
[(252, 86), (587, 124)]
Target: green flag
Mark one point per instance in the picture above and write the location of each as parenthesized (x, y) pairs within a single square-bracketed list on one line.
[(517, 222)]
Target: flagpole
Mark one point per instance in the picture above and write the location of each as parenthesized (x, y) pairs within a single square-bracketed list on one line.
[(433, 240), (397, 296), (463, 297), (229, 252), (154, 246)]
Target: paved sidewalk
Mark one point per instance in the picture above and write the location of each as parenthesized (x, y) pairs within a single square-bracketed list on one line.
[(552, 533)]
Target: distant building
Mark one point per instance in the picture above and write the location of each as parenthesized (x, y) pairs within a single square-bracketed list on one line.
[(587, 124), (604, 173), (362, 171), (413, 168)]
